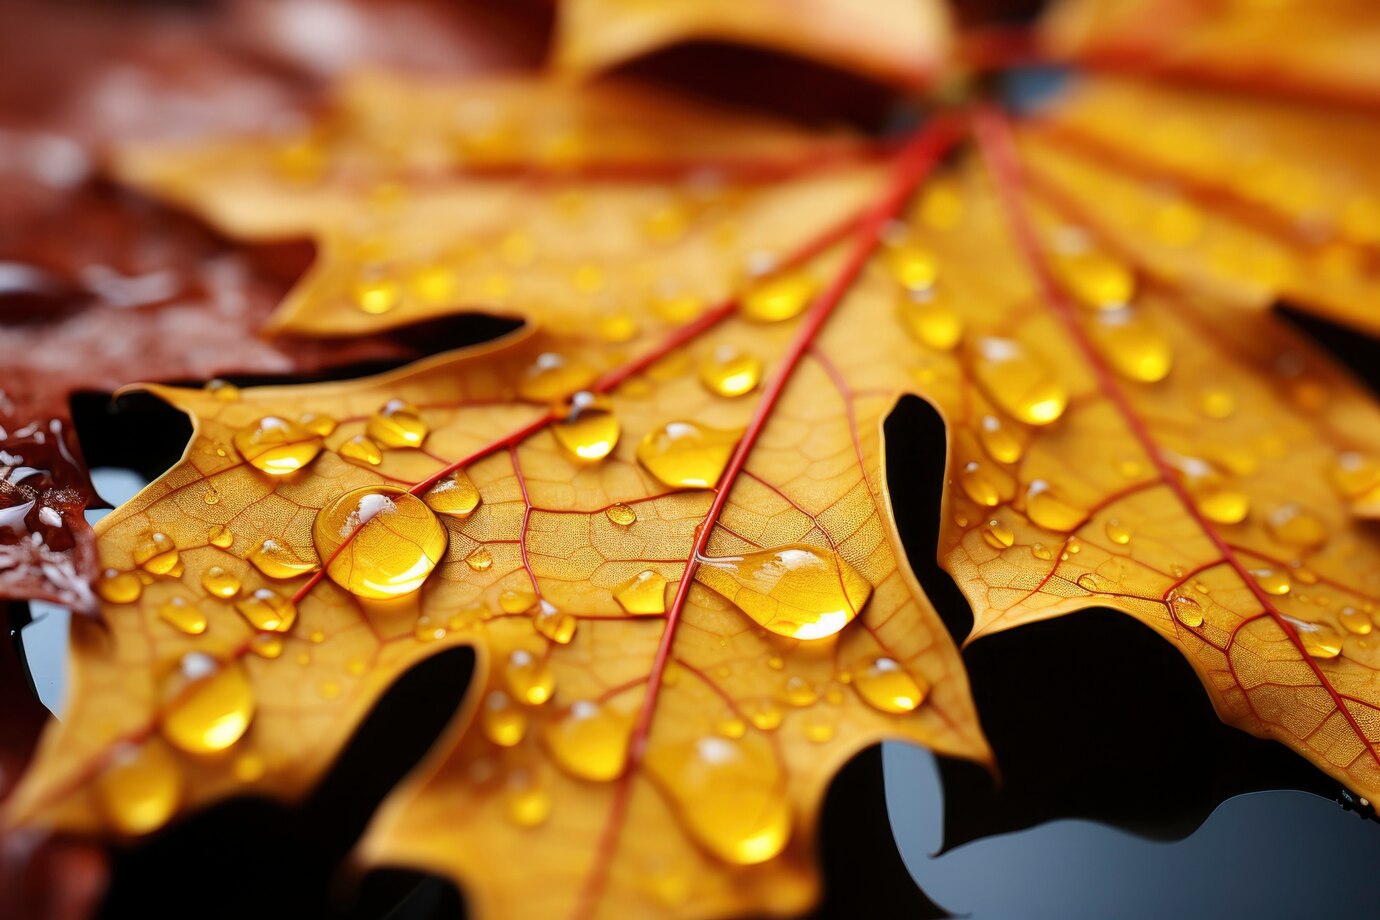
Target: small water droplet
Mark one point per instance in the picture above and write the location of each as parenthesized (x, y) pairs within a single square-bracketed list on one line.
[(362, 449), (516, 601), (553, 377), (590, 429), (554, 623), (1186, 610), (1097, 280), (888, 687), (183, 615), (1216, 402), (1001, 443), (1019, 381), (1318, 639), (1118, 532), (1273, 581), (528, 678), (118, 587), (979, 485), (504, 721), (277, 446), (157, 554), (997, 534), (480, 559), (454, 496), (799, 591), (398, 424), (1135, 346), (642, 595), (1044, 507), (687, 454), (268, 611), (317, 422), (220, 582), (209, 705), (140, 788), (223, 390), (728, 371), (621, 514), (779, 297), (797, 691), (220, 536), (528, 803), (277, 561)]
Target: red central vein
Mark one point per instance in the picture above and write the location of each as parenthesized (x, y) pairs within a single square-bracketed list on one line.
[(912, 165), (999, 152)]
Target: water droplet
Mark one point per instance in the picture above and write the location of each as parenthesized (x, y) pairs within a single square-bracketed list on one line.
[(1044, 507), (277, 446), (398, 424), (223, 390), (1089, 581), (590, 429), (929, 316), (552, 377), (141, 788), (528, 802), (454, 496), (554, 623), (729, 371), (220, 582), (157, 554), (480, 559), (209, 705), (220, 536), (589, 741), (1186, 610), (729, 793), (277, 561), (1296, 526), (1273, 581), (317, 422), (1118, 532), (376, 292), (505, 722), (267, 610), (1356, 474), (1001, 443), (886, 686), (912, 266), (979, 485), (394, 541), (642, 595), (1355, 621), (687, 454), (1019, 381), (997, 535), (267, 645), (181, 614), (1095, 279), (1218, 499), (765, 715), (621, 514), (779, 297), (1135, 346), (1216, 402), (731, 725), (1318, 639), (798, 591), (118, 587), (362, 450), (211, 497), (516, 601), (1040, 551), (797, 691), (528, 677)]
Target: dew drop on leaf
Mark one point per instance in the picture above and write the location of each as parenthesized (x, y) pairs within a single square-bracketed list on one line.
[(1118, 532), (1186, 610), (1318, 639), (267, 645), (590, 429), (362, 449), (183, 615), (397, 424), (141, 787), (797, 691), (454, 496), (317, 422), (1219, 500), (220, 582), (480, 559), (687, 455), (1045, 508), (209, 705), (223, 390), (156, 553), (276, 561), (929, 316), (529, 678), (642, 595), (1019, 382), (911, 266), (997, 534), (979, 485), (621, 514), (381, 541), (886, 686), (1096, 280), (516, 601), (1001, 443), (819, 728), (554, 623), (375, 292), (730, 371), (1273, 581), (1134, 346), (528, 802), (267, 610), (728, 793), (118, 587), (779, 297), (799, 591), (589, 741), (220, 536), (1355, 621), (504, 721), (1296, 526), (553, 377), (277, 446)]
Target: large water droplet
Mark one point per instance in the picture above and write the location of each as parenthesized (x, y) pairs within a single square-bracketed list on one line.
[(277, 446), (394, 541), (779, 297), (686, 454), (454, 496), (209, 705), (1019, 381), (140, 789), (729, 371), (590, 429), (589, 741), (886, 686), (398, 424), (799, 591), (529, 678), (642, 595)]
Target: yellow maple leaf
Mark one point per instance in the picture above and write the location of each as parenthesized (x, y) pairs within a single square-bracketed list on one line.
[(681, 576), (897, 41), (572, 207)]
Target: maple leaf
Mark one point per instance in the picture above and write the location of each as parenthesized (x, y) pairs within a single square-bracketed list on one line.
[(896, 41), (659, 574), (571, 207)]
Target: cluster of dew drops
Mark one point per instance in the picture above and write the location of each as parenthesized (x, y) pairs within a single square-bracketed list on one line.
[(381, 542)]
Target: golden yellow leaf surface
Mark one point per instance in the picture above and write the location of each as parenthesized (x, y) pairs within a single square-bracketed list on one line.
[(573, 207), (1317, 47), (680, 575), (896, 41), (1247, 198), (1159, 453)]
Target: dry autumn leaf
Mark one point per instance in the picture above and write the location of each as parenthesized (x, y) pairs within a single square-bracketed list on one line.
[(659, 566), (896, 41)]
